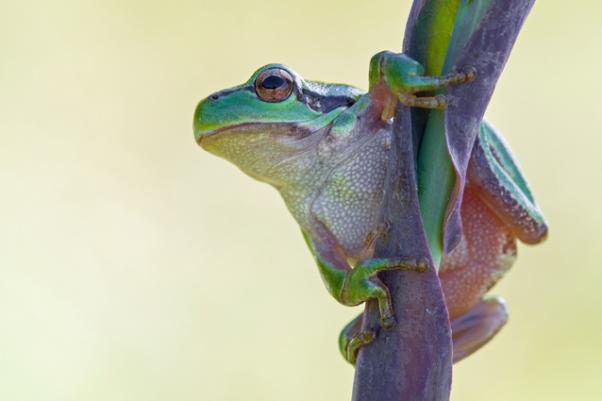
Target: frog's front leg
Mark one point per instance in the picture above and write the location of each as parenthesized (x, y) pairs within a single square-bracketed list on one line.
[(353, 286), (403, 77), (469, 332)]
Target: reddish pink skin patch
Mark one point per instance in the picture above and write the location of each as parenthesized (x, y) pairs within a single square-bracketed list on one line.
[(485, 253)]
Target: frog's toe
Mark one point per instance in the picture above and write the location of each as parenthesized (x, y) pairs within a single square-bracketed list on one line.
[(470, 74), (440, 102), (355, 343), (352, 338), (387, 322)]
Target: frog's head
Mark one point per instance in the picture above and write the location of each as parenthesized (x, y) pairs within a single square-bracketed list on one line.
[(271, 118)]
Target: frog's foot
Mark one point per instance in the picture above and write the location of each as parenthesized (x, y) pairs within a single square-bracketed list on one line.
[(352, 338), (362, 284), (479, 325), (403, 77), (353, 286)]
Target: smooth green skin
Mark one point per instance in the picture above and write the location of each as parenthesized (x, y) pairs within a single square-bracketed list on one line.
[(329, 162)]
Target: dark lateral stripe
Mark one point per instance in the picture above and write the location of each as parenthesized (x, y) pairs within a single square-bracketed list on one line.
[(316, 101), (326, 104)]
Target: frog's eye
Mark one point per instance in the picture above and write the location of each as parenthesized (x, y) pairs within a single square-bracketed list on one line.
[(274, 85)]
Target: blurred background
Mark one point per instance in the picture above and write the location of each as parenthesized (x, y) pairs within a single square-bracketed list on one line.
[(135, 266)]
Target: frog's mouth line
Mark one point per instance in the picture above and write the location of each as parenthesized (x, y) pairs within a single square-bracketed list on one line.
[(202, 137)]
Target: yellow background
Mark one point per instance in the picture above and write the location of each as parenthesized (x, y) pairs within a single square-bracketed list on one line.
[(136, 267)]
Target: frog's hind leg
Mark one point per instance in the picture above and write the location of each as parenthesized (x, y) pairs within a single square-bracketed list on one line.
[(469, 332), (502, 186), (476, 327)]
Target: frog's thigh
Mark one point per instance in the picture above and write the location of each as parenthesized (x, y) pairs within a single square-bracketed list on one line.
[(502, 186), (486, 251), (474, 329)]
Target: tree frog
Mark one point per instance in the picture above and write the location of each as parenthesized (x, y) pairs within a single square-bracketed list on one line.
[(324, 148)]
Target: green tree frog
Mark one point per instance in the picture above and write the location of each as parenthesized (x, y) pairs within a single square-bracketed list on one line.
[(324, 148)]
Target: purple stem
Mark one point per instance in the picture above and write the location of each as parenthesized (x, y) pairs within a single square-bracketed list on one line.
[(412, 361)]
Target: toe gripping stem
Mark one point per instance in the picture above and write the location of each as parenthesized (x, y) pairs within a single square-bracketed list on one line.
[(403, 76)]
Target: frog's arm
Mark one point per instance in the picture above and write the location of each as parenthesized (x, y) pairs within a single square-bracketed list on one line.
[(403, 77), (354, 286), (495, 172)]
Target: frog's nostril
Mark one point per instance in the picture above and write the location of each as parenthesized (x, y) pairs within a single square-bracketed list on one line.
[(214, 97)]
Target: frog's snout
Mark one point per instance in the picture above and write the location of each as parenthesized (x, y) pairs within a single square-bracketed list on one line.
[(198, 134), (206, 116), (199, 126)]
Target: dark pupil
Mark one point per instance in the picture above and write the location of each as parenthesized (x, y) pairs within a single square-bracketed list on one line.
[(272, 82)]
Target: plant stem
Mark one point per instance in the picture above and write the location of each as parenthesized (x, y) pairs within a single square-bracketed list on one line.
[(412, 362)]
